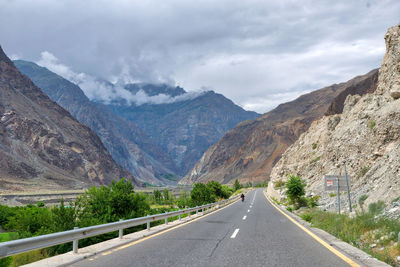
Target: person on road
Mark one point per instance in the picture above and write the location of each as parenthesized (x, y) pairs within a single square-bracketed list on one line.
[(242, 196)]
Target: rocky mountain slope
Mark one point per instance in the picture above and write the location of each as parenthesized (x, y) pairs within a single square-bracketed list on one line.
[(250, 150), (365, 136), (42, 147), (126, 142), (185, 129)]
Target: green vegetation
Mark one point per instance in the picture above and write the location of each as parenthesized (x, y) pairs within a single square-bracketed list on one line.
[(374, 234), (295, 190), (363, 171), (314, 145), (260, 185), (97, 206), (371, 124), (361, 200), (332, 194), (315, 159), (236, 185), (279, 184)]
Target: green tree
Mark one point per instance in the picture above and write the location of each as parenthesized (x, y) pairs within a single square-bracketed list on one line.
[(157, 196), (201, 195), (295, 189), (166, 196), (237, 185)]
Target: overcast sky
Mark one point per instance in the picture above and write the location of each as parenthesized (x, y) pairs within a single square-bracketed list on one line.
[(257, 53)]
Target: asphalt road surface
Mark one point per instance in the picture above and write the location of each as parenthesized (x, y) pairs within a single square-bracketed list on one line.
[(249, 233)]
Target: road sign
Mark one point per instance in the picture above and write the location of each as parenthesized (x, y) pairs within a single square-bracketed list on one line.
[(332, 180)]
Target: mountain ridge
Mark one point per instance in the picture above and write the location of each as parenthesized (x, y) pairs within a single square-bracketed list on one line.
[(41, 145), (250, 150)]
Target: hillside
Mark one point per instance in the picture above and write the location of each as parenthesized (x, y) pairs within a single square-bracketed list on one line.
[(42, 147), (250, 150), (365, 137), (184, 129), (126, 142)]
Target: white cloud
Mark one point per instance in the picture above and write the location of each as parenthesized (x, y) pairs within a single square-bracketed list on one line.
[(105, 92), (246, 50)]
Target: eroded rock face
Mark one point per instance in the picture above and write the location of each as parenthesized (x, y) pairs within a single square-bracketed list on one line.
[(42, 147), (250, 150), (366, 138)]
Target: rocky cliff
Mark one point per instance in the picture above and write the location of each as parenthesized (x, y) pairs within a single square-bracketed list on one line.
[(250, 150), (365, 137), (42, 147), (127, 143)]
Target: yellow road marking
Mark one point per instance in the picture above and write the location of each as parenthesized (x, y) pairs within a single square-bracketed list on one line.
[(322, 242)]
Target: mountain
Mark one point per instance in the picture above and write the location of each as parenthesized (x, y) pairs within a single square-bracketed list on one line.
[(365, 137), (250, 150), (184, 128), (126, 142), (42, 147)]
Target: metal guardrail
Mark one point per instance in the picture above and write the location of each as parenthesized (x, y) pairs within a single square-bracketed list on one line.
[(22, 245)]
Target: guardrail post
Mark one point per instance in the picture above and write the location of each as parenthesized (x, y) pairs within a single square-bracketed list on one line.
[(166, 220), (75, 244), (202, 210), (148, 226), (121, 231), (180, 217)]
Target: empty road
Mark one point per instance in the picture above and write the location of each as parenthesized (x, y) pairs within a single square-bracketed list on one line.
[(249, 233)]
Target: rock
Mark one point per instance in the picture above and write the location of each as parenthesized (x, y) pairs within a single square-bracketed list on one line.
[(395, 94), (373, 245), (366, 138)]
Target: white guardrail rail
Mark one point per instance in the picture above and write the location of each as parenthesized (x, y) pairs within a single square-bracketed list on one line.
[(22, 245)]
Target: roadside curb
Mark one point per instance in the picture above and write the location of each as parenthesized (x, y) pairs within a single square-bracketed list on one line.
[(108, 246), (357, 255)]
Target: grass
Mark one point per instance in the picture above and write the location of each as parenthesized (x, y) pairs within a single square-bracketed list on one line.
[(371, 124), (361, 231), (363, 171)]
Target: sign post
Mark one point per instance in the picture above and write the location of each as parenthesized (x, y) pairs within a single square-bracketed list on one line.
[(338, 194), (348, 187), (338, 183)]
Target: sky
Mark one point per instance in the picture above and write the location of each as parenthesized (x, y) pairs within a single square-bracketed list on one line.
[(257, 53)]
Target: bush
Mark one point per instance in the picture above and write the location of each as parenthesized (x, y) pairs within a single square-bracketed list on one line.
[(376, 207), (362, 199), (295, 190), (307, 217), (312, 201), (236, 185), (278, 184)]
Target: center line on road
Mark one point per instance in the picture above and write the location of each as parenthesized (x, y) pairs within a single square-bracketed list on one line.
[(235, 233), (244, 217)]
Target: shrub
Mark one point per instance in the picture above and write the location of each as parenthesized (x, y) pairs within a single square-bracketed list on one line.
[(363, 171), (295, 189), (278, 184), (312, 201), (376, 207), (362, 199), (371, 124), (236, 185), (314, 145)]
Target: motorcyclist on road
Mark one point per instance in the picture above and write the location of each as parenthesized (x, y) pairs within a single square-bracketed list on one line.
[(242, 196)]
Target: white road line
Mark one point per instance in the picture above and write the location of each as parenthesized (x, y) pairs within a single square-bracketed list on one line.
[(244, 217), (235, 233), (248, 210)]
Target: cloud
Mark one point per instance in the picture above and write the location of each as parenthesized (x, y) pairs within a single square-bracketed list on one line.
[(106, 92), (246, 50)]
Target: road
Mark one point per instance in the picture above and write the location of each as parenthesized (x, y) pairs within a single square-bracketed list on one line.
[(249, 233)]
